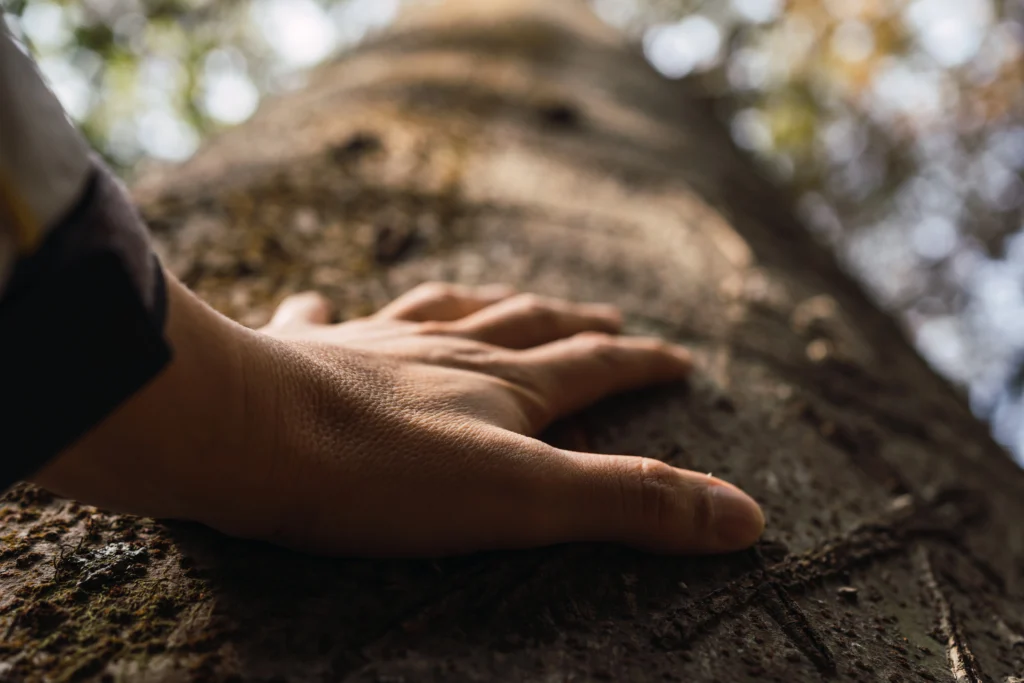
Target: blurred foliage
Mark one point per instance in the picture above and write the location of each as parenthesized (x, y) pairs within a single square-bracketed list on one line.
[(899, 123), (150, 78)]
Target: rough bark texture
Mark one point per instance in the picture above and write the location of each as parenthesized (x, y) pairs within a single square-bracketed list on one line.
[(530, 146)]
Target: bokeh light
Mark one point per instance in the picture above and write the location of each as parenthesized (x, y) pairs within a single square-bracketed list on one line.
[(898, 123)]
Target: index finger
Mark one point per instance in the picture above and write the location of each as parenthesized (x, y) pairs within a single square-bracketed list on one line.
[(571, 374)]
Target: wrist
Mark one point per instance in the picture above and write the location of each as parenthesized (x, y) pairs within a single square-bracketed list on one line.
[(161, 452)]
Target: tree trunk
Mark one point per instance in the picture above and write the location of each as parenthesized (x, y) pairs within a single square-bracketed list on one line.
[(522, 142)]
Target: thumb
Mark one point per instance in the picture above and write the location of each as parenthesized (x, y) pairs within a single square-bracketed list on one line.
[(651, 505)]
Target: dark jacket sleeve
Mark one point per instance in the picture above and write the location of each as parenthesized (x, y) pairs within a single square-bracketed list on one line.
[(82, 300)]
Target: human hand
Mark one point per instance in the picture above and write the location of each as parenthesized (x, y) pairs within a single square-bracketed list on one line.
[(408, 432), (404, 433)]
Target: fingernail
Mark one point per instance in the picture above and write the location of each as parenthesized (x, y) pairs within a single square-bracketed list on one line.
[(738, 520)]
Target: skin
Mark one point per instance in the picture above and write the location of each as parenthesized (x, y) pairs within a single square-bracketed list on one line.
[(407, 433)]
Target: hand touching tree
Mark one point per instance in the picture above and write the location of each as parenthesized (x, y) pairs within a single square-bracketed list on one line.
[(405, 433)]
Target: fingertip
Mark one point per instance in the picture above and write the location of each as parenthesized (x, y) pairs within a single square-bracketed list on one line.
[(649, 504), (737, 520), (708, 516), (682, 357), (674, 359)]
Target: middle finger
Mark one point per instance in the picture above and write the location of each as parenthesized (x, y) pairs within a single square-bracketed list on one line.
[(528, 320)]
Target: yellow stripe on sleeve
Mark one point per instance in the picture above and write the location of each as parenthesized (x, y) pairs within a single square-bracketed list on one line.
[(15, 211)]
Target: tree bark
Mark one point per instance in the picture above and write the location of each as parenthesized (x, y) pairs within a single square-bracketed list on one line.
[(523, 142)]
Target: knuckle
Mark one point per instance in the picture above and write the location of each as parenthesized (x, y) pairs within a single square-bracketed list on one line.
[(529, 303), (656, 492), (532, 408), (468, 355), (506, 366), (596, 344), (528, 389), (316, 300), (700, 509)]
